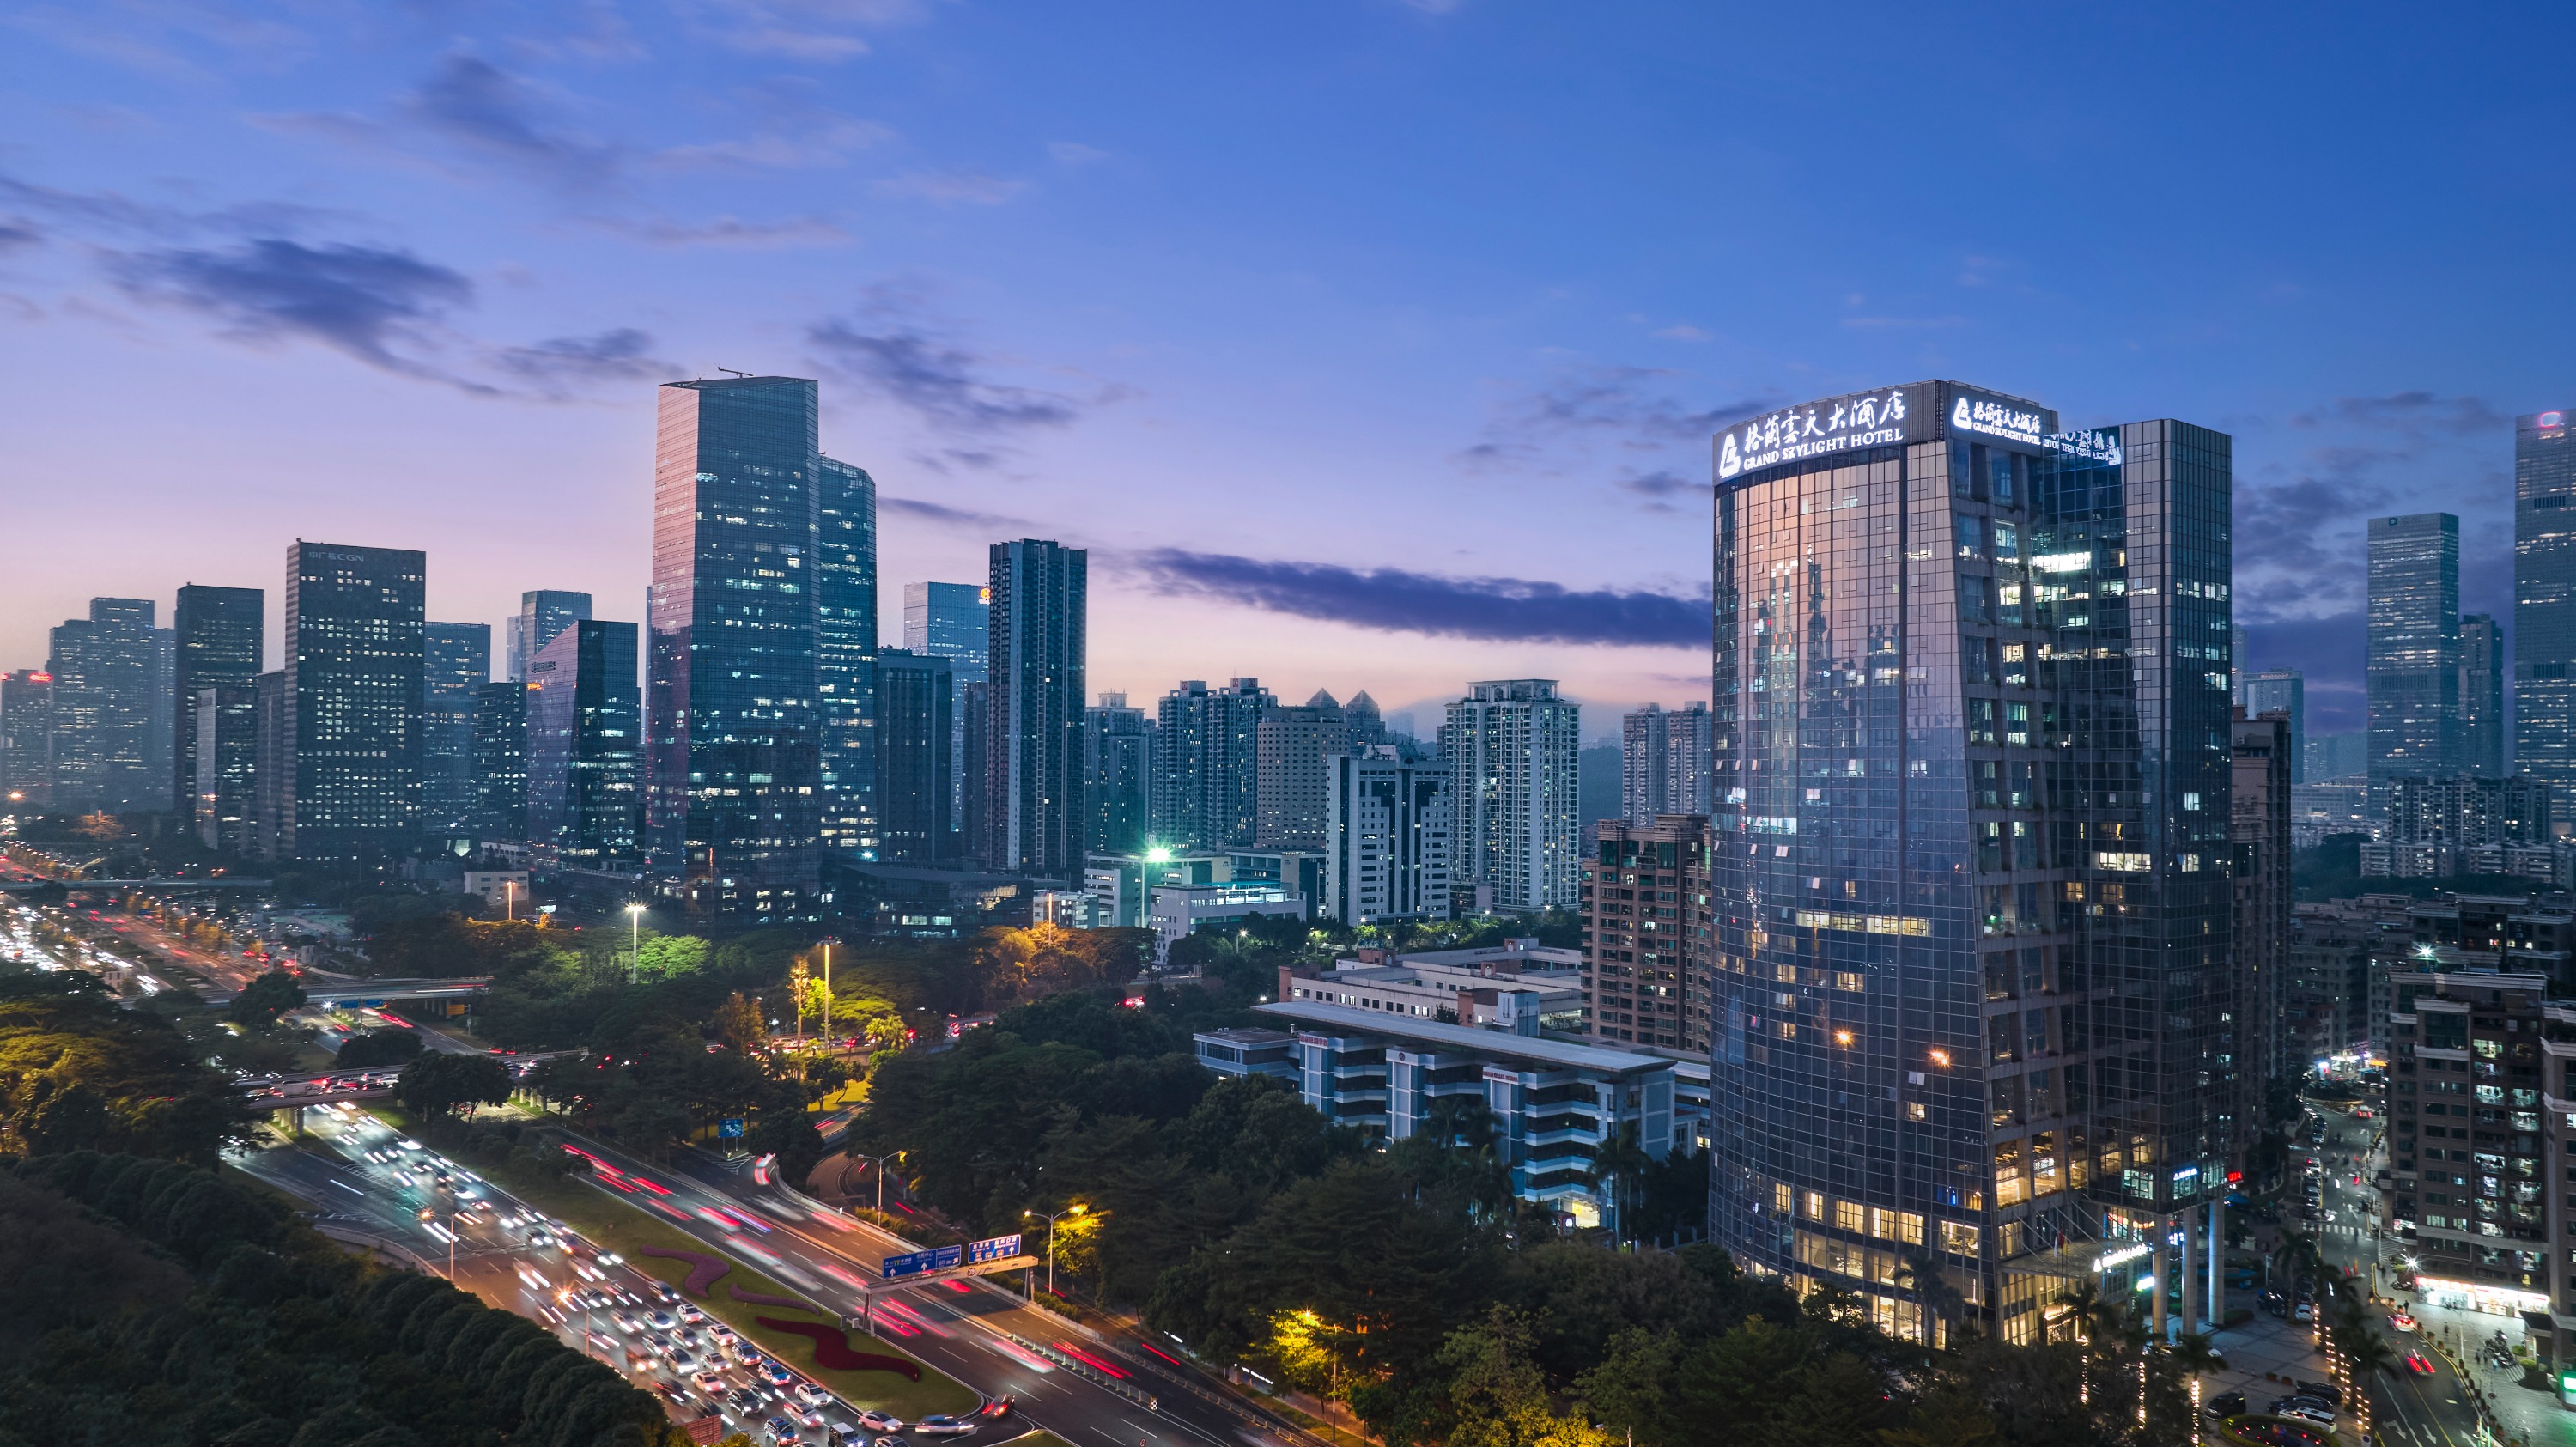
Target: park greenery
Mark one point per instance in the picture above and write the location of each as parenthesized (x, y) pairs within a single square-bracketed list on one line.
[(148, 1301)]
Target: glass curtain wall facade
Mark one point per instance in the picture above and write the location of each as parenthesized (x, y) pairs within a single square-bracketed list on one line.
[(2283, 690), (915, 728), (1971, 907), (583, 722), (456, 662), (2544, 600), (105, 667), (353, 701), (733, 734), (1033, 727), (845, 655), (501, 761), (543, 613), (954, 621), (219, 636), (26, 739), (2482, 735), (2413, 670), (225, 751)]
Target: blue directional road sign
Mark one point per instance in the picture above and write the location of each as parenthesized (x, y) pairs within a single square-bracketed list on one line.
[(937, 1259), (730, 1127), (993, 1250)]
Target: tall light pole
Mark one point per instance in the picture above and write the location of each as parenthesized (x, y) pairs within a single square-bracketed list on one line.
[(827, 989), (879, 1163), (635, 940), (510, 899), (1051, 1220)]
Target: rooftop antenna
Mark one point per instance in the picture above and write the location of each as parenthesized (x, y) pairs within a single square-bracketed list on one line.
[(732, 373)]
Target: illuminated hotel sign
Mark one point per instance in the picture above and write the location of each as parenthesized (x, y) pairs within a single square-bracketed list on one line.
[(1916, 412), (1837, 424), (2122, 1256)]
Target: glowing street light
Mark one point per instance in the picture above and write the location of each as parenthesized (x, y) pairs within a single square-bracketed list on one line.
[(1051, 1220), (635, 941)]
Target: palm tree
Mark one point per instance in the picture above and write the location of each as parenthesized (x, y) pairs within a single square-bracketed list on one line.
[(2191, 1355), (1619, 1163), (2097, 1318), (1919, 1273)]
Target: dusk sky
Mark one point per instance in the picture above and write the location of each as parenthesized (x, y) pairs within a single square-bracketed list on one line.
[(1366, 344)]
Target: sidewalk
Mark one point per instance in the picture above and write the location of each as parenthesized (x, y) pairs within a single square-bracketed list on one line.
[(2531, 1416)]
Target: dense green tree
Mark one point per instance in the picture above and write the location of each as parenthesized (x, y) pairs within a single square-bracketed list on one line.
[(438, 1086), (265, 998), (378, 1047), (78, 1072)]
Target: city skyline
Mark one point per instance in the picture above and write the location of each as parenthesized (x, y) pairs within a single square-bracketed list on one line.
[(479, 250)]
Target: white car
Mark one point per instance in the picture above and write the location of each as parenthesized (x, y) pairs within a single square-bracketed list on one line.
[(881, 1421), (709, 1384), (625, 1323), (944, 1426), (812, 1395)]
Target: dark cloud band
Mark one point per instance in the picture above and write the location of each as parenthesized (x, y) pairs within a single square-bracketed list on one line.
[(1502, 609)]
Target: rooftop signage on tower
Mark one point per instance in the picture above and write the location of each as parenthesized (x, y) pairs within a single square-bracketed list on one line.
[(1916, 412)]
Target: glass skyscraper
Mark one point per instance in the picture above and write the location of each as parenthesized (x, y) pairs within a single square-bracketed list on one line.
[(456, 662), (1117, 772), (1034, 710), (2544, 602), (543, 613), (2413, 669), (1971, 994), (915, 733), (352, 701), (954, 621), (106, 671), (845, 620), (220, 636), (2482, 674), (2283, 690), (583, 723), (764, 558), (501, 761)]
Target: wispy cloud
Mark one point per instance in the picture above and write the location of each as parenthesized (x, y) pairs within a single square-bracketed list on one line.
[(1680, 332), (619, 354), (111, 213), (370, 303), (952, 188), (734, 231), (1075, 154), (954, 517), (478, 106), (896, 353), (813, 31), (819, 140), (2423, 412), (1632, 405), (1506, 609)]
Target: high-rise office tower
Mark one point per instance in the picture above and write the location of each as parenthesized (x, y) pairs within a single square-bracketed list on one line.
[(105, 667), (1117, 777), (583, 724), (845, 655), (915, 733), (1664, 762), (2236, 662), (1388, 837), (272, 767), (2259, 816), (1972, 992), (26, 740), (2413, 669), (1207, 764), (954, 621), (974, 834), (501, 761), (735, 721), (220, 635), (2285, 691), (224, 719), (1033, 728), (1646, 932), (160, 740), (1511, 744), (543, 613), (354, 677), (2544, 600), (2482, 674), (1366, 724), (456, 663), (2336, 756), (1293, 763)]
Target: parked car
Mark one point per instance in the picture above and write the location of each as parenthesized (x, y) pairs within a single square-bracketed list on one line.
[(2304, 1411), (2226, 1404), (2326, 1392)]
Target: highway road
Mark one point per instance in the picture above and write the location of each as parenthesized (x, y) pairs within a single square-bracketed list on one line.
[(964, 1329)]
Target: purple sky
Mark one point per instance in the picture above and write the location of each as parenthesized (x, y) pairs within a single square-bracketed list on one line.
[(1368, 344)]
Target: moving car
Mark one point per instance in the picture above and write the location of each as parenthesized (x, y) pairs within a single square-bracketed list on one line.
[(812, 1395), (2419, 1364), (2401, 1321), (710, 1384), (937, 1425), (881, 1421), (780, 1429)]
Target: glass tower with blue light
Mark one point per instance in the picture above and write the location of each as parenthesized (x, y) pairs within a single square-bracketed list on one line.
[(1972, 1008)]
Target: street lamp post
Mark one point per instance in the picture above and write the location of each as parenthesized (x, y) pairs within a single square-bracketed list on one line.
[(879, 1163), (635, 944), (1051, 1220)]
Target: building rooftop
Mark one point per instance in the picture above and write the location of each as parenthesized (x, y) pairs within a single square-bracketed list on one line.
[(1246, 1035), (1552, 1053)]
